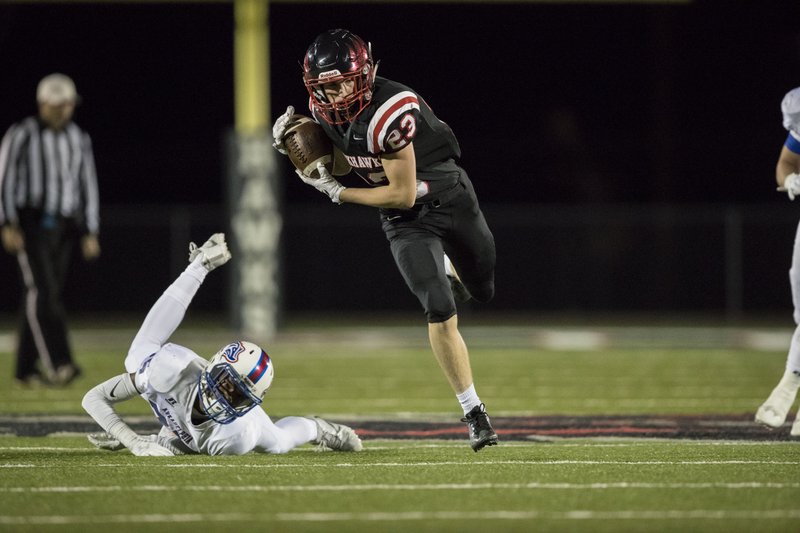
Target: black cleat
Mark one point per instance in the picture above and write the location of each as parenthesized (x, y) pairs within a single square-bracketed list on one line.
[(480, 429), (66, 374), (460, 292)]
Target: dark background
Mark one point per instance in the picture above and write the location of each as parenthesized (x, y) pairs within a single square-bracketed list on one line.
[(611, 107)]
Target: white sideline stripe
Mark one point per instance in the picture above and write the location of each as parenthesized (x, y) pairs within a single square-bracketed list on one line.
[(599, 442), (715, 514), (40, 449), (139, 464), (439, 486)]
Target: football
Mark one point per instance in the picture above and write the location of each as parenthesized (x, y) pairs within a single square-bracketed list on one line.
[(307, 145)]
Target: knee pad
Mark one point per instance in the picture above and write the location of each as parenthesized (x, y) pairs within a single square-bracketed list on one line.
[(438, 302)]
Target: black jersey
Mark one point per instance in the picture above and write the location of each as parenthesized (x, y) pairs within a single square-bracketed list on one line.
[(396, 117)]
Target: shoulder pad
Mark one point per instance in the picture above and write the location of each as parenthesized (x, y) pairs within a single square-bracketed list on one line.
[(394, 123), (790, 107), (168, 365)]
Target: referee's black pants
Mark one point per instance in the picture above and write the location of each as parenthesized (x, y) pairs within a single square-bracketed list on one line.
[(43, 265)]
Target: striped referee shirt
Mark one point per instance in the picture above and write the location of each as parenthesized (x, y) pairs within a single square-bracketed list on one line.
[(52, 171)]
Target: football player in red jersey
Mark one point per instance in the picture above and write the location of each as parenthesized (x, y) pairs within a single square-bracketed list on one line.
[(427, 204)]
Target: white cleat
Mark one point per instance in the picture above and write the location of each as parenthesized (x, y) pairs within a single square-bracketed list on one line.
[(336, 437), (795, 432), (772, 412), (214, 251)]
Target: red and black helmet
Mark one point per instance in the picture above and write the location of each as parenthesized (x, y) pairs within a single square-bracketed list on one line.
[(336, 56)]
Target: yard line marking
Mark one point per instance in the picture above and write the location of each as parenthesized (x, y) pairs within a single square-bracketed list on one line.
[(552, 515), (41, 449), (140, 464), (713, 514), (414, 487), (600, 442)]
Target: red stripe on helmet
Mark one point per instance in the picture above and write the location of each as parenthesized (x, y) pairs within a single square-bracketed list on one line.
[(260, 369)]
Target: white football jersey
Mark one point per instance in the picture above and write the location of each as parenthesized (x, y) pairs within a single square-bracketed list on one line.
[(168, 380)]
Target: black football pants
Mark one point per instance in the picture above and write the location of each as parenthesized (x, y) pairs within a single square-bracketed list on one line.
[(451, 224)]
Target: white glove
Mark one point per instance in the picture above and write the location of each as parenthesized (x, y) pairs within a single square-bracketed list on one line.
[(104, 441), (141, 446), (148, 447), (791, 185), (324, 183), (279, 129), (215, 252)]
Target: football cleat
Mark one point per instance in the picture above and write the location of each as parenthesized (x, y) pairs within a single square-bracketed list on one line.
[(335, 437), (772, 412), (33, 380), (65, 374), (480, 429), (795, 432), (214, 251)]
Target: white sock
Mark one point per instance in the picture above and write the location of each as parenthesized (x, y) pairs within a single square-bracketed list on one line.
[(790, 379), (468, 399), (793, 359), (297, 430)]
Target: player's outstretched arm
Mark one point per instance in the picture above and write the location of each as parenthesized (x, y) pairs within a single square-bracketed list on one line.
[(99, 403)]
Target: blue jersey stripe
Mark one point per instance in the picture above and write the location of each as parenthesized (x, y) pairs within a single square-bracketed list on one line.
[(792, 143)]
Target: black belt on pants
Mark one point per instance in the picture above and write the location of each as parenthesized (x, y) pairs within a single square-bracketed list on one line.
[(441, 198)]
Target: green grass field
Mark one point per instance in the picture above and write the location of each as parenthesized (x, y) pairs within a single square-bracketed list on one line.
[(61, 483)]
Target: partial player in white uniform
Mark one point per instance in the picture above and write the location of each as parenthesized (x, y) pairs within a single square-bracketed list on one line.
[(205, 407), (773, 411)]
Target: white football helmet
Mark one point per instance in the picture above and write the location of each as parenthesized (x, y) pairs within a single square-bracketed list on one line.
[(235, 381)]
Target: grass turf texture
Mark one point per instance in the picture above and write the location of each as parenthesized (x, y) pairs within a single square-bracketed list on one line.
[(61, 483)]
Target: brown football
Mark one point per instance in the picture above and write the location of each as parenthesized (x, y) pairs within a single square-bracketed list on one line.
[(307, 145)]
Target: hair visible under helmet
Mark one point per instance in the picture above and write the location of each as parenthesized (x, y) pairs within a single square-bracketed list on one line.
[(336, 56)]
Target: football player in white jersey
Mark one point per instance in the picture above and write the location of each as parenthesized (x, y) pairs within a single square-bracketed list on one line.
[(205, 407), (773, 411)]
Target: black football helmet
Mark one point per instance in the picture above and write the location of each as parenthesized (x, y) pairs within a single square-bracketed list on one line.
[(335, 56)]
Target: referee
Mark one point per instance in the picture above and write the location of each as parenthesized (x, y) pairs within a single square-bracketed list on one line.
[(48, 203)]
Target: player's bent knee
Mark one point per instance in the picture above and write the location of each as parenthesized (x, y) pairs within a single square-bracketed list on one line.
[(438, 318), (439, 306)]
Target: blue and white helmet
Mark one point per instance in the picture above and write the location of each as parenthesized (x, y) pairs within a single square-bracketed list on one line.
[(790, 107), (235, 381)]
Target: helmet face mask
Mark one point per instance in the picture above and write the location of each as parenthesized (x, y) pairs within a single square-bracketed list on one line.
[(335, 57), (235, 381)]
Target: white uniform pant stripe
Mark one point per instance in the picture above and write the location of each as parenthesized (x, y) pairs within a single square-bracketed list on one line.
[(31, 294)]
